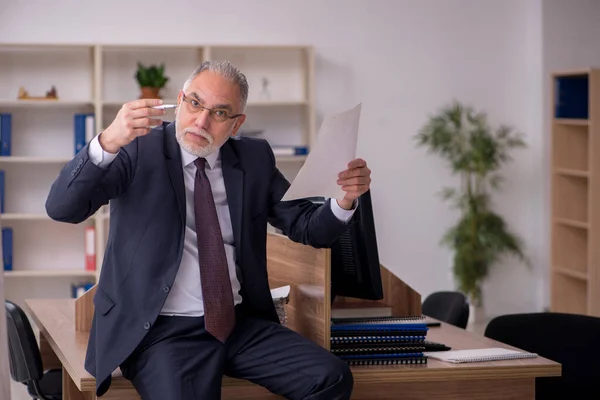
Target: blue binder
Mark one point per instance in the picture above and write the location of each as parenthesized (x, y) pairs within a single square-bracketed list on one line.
[(7, 248), (571, 97), (2, 193), (5, 134)]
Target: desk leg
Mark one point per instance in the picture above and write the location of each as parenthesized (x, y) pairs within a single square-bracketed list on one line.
[(489, 389), (49, 358), (70, 390)]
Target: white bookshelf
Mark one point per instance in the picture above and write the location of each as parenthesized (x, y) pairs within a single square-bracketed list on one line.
[(47, 255)]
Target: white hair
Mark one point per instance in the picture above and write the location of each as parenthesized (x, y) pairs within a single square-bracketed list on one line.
[(227, 71)]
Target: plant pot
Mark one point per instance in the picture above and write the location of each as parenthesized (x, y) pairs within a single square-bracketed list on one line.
[(476, 314), (150, 93)]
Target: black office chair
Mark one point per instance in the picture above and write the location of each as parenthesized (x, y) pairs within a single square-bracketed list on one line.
[(570, 339), (25, 358), (447, 306)]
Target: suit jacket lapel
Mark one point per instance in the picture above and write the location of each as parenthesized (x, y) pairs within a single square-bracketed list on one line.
[(173, 157), (234, 186)]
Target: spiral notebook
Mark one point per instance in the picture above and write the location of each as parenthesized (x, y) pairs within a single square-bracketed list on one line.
[(387, 339), (379, 350), (384, 359), (479, 355), (378, 320)]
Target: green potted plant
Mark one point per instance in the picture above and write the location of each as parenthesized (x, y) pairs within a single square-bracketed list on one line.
[(475, 152), (151, 79)]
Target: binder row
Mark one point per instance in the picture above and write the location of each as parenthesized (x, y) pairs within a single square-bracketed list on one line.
[(89, 263), (84, 130), (379, 341)]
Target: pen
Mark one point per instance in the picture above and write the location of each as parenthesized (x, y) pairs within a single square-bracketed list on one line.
[(165, 106)]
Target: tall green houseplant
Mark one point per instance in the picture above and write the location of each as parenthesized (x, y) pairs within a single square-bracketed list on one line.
[(475, 152)]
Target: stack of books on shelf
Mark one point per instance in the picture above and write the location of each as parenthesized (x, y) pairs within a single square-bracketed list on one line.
[(379, 341)]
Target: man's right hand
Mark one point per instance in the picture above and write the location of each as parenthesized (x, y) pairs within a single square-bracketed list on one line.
[(133, 119)]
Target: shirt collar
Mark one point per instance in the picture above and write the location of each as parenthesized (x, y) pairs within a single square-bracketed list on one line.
[(188, 158)]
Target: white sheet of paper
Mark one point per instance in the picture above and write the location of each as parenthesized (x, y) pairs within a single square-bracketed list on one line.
[(280, 292), (335, 148)]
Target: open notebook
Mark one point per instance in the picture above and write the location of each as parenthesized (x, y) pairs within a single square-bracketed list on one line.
[(479, 355)]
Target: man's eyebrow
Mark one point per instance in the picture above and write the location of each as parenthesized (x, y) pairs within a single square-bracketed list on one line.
[(223, 107), (218, 106)]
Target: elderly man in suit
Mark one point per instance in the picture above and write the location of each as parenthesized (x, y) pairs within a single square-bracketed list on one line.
[(183, 297)]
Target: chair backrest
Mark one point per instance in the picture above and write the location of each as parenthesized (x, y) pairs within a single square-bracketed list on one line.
[(23, 351), (570, 339), (447, 306)]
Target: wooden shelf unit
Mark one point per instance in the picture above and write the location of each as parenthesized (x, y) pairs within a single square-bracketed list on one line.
[(98, 79), (575, 219)]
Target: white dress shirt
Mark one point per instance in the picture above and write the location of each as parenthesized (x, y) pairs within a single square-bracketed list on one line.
[(185, 296)]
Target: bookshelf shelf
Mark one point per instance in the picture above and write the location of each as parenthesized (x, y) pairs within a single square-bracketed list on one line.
[(25, 217), (51, 273), (119, 103), (575, 265), (45, 103), (571, 172), (570, 222), (34, 160), (571, 121), (287, 159), (98, 79), (250, 104), (573, 274), (258, 103)]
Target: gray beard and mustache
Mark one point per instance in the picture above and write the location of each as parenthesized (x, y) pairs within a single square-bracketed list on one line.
[(198, 151)]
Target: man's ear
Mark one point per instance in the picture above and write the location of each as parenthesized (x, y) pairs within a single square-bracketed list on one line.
[(238, 123)]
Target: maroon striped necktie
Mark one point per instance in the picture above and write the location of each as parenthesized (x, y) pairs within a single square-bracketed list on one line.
[(219, 314)]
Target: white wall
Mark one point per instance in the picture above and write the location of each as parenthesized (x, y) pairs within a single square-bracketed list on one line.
[(403, 60)]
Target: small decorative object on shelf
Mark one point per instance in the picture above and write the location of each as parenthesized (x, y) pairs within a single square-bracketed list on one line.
[(50, 95), (151, 79)]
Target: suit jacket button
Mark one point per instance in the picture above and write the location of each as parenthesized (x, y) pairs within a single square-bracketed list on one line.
[(147, 325), (166, 289)]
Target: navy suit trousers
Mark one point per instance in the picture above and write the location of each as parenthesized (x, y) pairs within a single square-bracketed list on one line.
[(178, 359)]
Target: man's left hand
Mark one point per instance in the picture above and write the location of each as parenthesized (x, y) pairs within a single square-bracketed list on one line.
[(355, 181)]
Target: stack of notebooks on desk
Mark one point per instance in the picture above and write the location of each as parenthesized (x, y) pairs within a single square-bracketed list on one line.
[(379, 341)]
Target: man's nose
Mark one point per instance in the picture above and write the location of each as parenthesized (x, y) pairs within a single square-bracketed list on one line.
[(202, 120)]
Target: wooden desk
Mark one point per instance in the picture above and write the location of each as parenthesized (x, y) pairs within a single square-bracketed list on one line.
[(62, 345)]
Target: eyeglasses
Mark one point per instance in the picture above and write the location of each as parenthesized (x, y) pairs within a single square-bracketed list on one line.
[(218, 115)]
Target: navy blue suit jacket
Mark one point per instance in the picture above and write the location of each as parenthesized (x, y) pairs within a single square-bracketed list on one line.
[(145, 187)]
